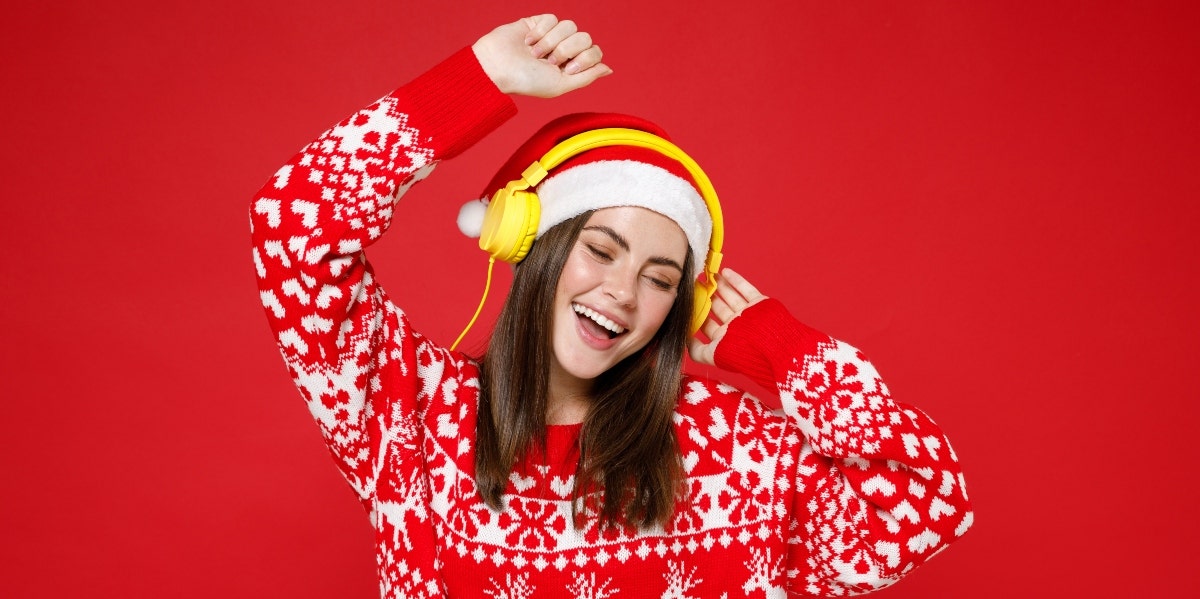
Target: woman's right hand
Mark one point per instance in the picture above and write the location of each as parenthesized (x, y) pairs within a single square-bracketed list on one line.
[(540, 56), (734, 295)]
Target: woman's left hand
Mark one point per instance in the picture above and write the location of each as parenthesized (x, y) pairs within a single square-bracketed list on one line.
[(734, 294), (540, 56)]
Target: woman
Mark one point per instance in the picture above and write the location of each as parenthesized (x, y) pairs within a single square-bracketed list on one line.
[(574, 459)]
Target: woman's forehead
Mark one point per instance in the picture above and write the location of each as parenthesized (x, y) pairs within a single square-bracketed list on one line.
[(641, 229)]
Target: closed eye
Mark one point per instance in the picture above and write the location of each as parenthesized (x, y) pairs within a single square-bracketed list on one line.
[(660, 283), (599, 252)]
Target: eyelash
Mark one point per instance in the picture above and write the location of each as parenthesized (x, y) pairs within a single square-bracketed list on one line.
[(599, 253), (661, 284)]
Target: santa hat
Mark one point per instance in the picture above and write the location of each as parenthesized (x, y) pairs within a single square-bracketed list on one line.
[(603, 178)]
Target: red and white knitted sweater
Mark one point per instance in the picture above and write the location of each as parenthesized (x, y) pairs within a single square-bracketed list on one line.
[(844, 492)]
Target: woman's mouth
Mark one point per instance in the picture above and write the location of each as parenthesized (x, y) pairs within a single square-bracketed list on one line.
[(596, 323)]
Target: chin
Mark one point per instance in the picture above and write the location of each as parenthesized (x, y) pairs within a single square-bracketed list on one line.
[(577, 364)]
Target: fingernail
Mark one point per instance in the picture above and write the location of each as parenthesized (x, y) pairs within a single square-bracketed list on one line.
[(572, 68)]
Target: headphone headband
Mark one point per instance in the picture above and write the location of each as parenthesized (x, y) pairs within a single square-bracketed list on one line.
[(617, 136)]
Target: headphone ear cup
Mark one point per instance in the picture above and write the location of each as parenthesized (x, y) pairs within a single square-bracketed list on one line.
[(510, 225), (702, 302)]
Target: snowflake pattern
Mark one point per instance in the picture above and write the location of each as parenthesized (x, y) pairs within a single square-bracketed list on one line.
[(514, 587), (680, 581), (532, 524), (585, 586)]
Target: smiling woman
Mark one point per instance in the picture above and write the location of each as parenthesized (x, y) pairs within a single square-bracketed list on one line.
[(575, 458)]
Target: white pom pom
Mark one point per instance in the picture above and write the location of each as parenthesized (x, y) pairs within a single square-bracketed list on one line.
[(470, 217)]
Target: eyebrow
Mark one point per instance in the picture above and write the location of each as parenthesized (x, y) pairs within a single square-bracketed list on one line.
[(624, 243)]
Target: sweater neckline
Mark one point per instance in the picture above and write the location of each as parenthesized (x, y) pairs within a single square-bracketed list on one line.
[(562, 445)]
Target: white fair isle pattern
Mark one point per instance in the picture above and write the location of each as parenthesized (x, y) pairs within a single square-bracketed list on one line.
[(680, 581), (842, 492), (513, 587), (585, 586)]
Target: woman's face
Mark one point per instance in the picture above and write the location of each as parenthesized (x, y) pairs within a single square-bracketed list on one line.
[(615, 290)]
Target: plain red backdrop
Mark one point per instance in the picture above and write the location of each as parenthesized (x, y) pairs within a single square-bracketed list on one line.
[(997, 201)]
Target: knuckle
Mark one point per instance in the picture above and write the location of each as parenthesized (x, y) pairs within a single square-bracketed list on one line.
[(544, 23)]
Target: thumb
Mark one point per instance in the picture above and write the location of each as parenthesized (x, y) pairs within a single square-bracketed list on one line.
[(574, 81)]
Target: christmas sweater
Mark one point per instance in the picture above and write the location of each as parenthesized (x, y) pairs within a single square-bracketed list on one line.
[(842, 491)]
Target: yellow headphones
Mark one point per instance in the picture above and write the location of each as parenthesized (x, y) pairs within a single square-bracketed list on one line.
[(511, 221)]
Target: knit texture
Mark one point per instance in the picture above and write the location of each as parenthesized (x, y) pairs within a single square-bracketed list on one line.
[(843, 492)]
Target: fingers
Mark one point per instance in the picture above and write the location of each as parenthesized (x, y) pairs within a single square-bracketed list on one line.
[(549, 32), (540, 56), (564, 44), (584, 78), (738, 291), (584, 59), (734, 294), (721, 310), (538, 27), (570, 47), (713, 330)]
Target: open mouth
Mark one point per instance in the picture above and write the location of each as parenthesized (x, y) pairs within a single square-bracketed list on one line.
[(596, 323)]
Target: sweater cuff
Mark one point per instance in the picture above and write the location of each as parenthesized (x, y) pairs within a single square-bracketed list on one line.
[(455, 104), (764, 342)]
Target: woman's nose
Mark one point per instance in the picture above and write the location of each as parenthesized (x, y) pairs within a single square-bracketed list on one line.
[(622, 287)]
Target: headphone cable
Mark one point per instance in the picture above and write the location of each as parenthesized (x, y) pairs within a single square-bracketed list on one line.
[(487, 286)]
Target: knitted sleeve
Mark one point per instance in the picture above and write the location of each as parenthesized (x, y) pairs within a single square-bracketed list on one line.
[(878, 488), (362, 370)]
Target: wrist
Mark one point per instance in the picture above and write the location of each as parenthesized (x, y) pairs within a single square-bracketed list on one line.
[(763, 341), (490, 65)]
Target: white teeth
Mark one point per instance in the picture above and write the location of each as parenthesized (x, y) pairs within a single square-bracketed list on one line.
[(598, 319)]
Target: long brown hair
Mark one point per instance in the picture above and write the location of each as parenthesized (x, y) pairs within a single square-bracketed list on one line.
[(629, 468)]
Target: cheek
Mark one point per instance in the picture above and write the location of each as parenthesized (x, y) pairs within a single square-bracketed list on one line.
[(658, 308), (566, 281), (579, 275)]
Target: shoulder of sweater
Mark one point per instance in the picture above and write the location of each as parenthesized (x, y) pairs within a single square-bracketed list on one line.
[(700, 395)]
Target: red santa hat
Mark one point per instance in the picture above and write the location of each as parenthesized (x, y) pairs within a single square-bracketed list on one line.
[(603, 178)]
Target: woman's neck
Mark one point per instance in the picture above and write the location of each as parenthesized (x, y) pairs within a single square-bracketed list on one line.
[(568, 398)]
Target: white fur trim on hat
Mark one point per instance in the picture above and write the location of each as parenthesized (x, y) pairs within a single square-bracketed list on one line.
[(611, 183)]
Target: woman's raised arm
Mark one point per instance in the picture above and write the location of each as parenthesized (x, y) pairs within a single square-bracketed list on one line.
[(351, 352)]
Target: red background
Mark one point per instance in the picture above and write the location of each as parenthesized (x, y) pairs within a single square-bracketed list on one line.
[(996, 201)]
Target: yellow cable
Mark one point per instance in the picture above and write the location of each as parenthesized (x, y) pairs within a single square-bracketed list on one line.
[(486, 287)]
